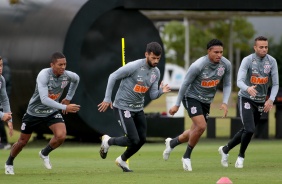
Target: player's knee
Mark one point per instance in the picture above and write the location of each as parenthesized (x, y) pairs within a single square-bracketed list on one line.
[(135, 141)]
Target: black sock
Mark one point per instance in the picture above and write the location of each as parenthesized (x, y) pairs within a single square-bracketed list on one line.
[(188, 152), (45, 151), (111, 141), (225, 149), (174, 142), (10, 160)]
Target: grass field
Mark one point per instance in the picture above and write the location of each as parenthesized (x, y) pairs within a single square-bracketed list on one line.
[(75, 163)]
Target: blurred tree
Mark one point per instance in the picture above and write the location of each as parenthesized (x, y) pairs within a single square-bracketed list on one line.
[(275, 51), (200, 32)]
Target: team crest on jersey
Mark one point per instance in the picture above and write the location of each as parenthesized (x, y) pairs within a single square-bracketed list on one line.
[(220, 70), (153, 78), (247, 105), (193, 110), (266, 68), (127, 114), (64, 84), (254, 61)]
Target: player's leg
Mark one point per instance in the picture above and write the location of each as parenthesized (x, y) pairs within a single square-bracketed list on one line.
[(15, 150), (57, 126)]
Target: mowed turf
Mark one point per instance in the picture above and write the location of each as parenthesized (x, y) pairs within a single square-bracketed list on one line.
[(80, 163)]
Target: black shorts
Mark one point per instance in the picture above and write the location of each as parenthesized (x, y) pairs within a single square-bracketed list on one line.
[(29, 123), (250, 113), (195, 107)]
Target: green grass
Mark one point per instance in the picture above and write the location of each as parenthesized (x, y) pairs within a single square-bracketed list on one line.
[(75, 163)]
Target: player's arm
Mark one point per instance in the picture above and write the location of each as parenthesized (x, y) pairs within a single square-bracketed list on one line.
[(122, 72), (73, 85)]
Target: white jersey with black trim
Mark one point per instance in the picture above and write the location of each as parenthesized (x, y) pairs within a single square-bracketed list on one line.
[(259, 72), (48, 90), (202, 79), (4, 99), (137, 78)]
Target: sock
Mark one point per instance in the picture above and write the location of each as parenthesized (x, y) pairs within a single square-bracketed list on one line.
[(45, 151), (188, 152), (111, 141), (10, 160), (174, 142), (225, 149)]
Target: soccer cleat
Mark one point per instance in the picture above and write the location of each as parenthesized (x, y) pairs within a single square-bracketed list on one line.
[(239, 162), (122, 164), (104, 146), (5, 146), (186, 164), (9, 169), (46, 160), (224, 157), (168, 149)]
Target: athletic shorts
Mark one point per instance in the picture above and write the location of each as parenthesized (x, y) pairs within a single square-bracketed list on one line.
[(195, 107), (29, 123), (250, 113)]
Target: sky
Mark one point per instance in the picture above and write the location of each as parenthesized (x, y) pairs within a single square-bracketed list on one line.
[(269, 26)]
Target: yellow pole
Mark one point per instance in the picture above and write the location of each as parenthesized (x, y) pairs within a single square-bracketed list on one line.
[(123, 51), (123, 63)]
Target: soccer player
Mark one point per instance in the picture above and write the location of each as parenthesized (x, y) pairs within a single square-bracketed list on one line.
[(5, 113), (43, 108), (256, 73), (137, 78), (197, 93)]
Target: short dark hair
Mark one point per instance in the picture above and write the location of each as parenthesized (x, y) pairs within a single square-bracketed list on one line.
[(57, 55), (0, 58), (155, 48), (260, 38), (214, 42)]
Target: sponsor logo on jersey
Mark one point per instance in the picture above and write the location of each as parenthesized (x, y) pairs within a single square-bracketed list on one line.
[(127, 114), (153, 78), (247, 105), (266, 68), (259, 80), (210, 83), (54, 96), (43, 111), (193, 110), (140, 89), (64, 84), (135, 105), (220, 71)]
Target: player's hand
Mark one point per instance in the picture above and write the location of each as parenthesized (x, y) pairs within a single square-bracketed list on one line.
[(165, 87), (173, 110), (268, 105), (102, 107), (65, 102), (11, 129), (224, 108), (72, 108), (7, 116), (252, 91)]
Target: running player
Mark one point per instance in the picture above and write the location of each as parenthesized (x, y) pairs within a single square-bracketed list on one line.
[(137, 78), (256, 73), (197, 93), (43, 109)]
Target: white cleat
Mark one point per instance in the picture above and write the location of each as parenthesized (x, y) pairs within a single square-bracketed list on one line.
[(186, 164), (239, 162), (224, 157), (104, 146), (122, 164), (9, 169), (46, 160), (168, 149)]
